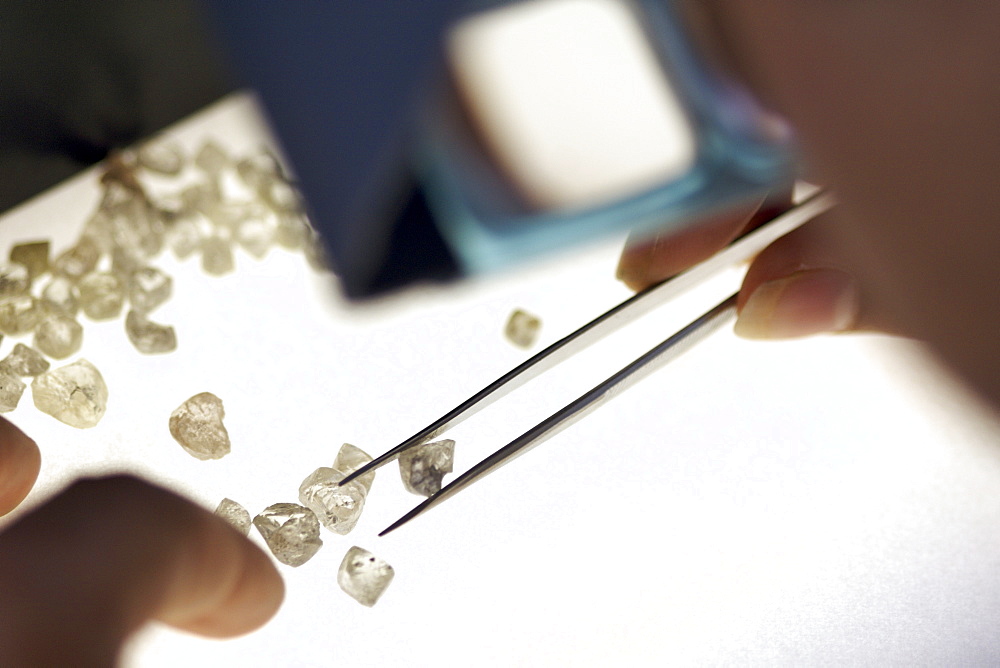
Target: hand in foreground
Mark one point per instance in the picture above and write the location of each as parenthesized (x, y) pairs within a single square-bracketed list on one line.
[(800, 285), (84, 571)]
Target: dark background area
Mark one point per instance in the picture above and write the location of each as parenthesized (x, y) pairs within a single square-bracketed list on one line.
[(81, 77)]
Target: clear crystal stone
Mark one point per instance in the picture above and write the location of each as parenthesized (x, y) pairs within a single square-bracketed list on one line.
[(217, 255), (255, 236), (14, 280), (292, 231), (32, 254), (161, 155), (197, 426), (235, 514), (201, 197), (291, 531), (281, 196), (148, 288), (11, 389), (75, 394), (149, 337), (338, 508), (259, 168), (59, 335), (211, 158), (349, 459), (363, 576), (20, 315), (423, 467), (522, 328), (184, 237), (102, 295), (24, 361), (60, 294), (78, 260)]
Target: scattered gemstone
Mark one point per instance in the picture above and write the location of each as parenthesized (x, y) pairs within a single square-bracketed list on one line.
[(255, 236), (60, 294), (24, 361), (14, 280), (258, 169), (162, 156), (349, 459), (20, 315), (363, 576), (423, 466), (235, 514), (522, 328), (292, 231), (197, 426), (34, 255), (201, 197), (217, 255), (102, 295), (59, 335), (184, 237), (148, 288), (211, 158), (291, 531), (149, 337), (11, 389), (75, 394), (78, 260), (337, 507)]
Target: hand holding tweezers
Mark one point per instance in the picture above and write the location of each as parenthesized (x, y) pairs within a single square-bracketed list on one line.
[(626, 312)]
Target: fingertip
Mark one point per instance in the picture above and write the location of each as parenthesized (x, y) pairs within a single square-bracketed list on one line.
[(20, 462), (806, 302), (238, 587)]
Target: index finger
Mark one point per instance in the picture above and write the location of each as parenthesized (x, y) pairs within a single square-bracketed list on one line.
[(81, 573)]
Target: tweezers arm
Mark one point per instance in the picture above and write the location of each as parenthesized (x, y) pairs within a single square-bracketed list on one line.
[(657, 357), (611, 321)]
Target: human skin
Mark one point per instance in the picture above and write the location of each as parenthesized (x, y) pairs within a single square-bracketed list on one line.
[(895, 107)]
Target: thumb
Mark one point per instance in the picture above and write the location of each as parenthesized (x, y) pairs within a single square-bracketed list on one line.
[(805, 284), (83, 572)]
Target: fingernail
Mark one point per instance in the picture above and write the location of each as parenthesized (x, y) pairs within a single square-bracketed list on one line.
[(807, 302)]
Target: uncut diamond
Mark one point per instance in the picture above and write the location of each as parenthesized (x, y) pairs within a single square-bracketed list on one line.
[(148, 288), (423, 467), (14, 280), (217, 256), (363, 576), (162, 156), (211, 158), (60, 294), (184, 237), (20, 315), (338, 508), (102, 295), (291, 531), (11, 389), (259, 169), (197, 426), (149, 337), (34, 255), (78, 260), (59, 336), (349, 459), (24, 361), (235, 514), (522, 328), (292, 231), (255, 236), (75, 394)]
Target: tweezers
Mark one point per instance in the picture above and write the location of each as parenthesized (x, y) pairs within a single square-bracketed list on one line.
[(621, 315)]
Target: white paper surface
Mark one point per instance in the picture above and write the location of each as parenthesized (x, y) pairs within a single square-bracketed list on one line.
[(826, 501)]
